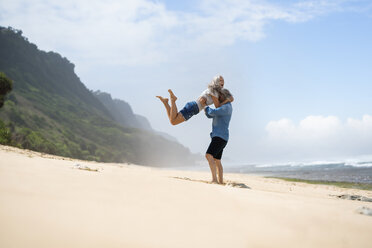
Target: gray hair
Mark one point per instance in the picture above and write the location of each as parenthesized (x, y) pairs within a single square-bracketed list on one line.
[(225, 94), (215, 85)]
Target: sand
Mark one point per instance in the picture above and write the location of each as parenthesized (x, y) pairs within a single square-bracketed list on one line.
[(47, 201)]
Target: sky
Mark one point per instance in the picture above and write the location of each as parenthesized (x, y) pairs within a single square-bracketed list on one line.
[(300, 71)]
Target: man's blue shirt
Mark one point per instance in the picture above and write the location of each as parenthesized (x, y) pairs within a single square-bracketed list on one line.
[(221, 119)]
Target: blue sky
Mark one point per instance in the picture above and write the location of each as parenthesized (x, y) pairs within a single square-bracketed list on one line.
[(300, 71), (319, 67)]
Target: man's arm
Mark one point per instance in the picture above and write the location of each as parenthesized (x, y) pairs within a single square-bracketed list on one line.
[(206, 112), (223, 110)]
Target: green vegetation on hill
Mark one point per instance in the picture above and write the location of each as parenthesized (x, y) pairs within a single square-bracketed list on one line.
[(51, 111), (6, 86)]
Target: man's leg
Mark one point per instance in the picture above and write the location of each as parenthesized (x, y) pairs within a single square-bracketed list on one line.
[(219, 170), (212, 166)]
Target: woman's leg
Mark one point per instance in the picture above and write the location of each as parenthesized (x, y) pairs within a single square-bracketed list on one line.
[(166, 104), (175, 117)]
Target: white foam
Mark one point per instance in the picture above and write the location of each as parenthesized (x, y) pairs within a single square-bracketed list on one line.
[(300, 164), (350, 162), (359, 164)]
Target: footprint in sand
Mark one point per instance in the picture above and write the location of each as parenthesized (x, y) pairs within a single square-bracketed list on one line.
[(353, 197), (365, 211), (84, 167), (228, 183), (237, 185)]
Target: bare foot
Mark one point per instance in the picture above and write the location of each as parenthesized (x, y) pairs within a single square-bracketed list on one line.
[(214, 181), (172, 96), (163, 99)]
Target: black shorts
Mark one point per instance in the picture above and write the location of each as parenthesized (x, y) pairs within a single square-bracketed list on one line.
[(216, 147)]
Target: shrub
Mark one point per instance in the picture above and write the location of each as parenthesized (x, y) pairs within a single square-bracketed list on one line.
[(5, 134), (6, 85)]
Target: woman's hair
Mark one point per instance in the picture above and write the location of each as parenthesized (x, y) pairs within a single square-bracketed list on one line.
[(215, 85), (224, 94)]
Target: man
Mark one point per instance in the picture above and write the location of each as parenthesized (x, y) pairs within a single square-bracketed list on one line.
[(220, 134)]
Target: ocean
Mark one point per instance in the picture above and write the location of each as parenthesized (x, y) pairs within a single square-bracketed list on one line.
[(354, 172)]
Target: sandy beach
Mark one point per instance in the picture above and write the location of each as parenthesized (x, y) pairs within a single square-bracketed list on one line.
[(48, 201)]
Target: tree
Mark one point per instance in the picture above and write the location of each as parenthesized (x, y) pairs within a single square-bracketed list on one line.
[(6, 85)]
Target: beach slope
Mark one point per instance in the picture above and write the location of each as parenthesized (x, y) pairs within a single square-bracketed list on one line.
[(48, 201)]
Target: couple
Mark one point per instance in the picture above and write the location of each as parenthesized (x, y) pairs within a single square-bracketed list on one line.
[(221, 114)]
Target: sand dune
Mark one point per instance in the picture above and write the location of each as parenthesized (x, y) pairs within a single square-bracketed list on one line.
[(48, 201)]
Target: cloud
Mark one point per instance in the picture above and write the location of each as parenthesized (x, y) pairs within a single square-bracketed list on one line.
[(142, 32), (105, 31), (319, 136)]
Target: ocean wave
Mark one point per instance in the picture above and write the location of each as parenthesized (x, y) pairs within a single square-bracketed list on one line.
[(359, 164), (318, 163)]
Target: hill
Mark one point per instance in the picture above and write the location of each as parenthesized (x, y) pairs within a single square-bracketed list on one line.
[(122, 112), (50, 110)]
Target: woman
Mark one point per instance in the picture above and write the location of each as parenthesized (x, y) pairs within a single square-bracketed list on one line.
[(208, 97)]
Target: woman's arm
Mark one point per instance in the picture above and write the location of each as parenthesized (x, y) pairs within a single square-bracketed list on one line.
[(216, 102), (231, 99)]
